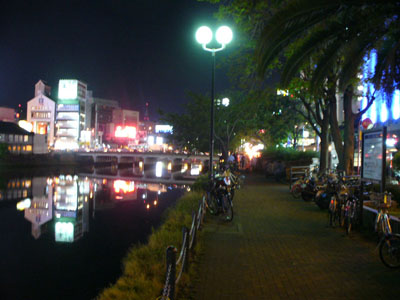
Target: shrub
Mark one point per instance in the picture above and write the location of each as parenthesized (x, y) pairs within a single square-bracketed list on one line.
[(288, 154)]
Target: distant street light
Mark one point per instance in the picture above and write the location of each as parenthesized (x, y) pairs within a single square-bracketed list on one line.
[(204, 36)]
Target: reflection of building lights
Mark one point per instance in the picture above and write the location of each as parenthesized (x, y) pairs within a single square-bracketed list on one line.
[(148, 206), (169, 166), (104, 181), (64, 232), (24, 204), (195, 169), (155, 202), (159, 167), (125, 186), (140, 165), (184, 168)]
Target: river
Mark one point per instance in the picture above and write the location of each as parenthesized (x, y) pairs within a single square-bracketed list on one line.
[(64, 236)]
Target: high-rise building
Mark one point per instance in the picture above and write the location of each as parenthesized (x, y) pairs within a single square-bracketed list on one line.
[(70, 113)]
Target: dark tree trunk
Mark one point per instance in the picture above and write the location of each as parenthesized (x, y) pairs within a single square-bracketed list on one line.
[(323, 158), (349, 119), (335, 130)]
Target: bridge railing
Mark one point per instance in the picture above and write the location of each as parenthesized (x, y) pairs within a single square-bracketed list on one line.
[(172, 275)]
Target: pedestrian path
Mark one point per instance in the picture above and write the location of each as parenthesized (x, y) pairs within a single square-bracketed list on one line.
[(278, 247)]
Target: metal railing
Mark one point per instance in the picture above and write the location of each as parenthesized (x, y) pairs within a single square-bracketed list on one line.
[(172, 275)]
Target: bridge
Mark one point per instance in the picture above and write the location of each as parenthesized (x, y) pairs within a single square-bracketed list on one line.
[(153, 166)]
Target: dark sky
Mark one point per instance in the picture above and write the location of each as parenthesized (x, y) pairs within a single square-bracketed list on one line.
[(132, 51)]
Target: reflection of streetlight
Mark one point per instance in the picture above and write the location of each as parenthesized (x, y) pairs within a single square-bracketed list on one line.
[(204, 36)]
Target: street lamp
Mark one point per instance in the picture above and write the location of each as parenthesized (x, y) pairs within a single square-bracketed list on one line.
[(204, 36)]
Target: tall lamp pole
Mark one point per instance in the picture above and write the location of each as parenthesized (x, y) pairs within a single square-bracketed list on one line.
[(204, 36)]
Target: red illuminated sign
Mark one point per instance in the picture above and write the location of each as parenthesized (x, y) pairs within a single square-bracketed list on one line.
[(125, 132)]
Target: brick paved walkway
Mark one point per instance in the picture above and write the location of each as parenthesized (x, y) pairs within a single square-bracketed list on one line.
[(281, 248)]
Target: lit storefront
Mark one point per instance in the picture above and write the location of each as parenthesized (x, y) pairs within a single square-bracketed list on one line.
[(385, 111)]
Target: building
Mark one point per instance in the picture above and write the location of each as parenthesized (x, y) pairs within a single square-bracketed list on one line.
[(41, 112), (7, 114), (19, 140), (102, 119), (125, 117), (70, 113)]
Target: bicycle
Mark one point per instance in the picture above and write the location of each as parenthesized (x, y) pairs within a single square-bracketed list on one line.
[(389, 244), (218, 198)]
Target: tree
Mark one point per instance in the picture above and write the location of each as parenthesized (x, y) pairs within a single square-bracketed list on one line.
[(345, 31), (191, 129)]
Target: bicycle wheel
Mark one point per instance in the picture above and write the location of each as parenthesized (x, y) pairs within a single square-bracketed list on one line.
[(227, 208), (348, 221), (389, 251), (296, 191), (212, 204)]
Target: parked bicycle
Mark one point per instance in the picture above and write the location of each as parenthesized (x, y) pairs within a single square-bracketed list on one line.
[(220, 195), (389, 244)]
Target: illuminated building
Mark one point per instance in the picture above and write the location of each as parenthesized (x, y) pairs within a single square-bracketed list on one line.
[(70, 113), (71, 208), (40, 210), (386, 108), (19, 140), (41, 112)]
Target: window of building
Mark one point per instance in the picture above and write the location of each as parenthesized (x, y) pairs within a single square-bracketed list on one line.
[(23, 148), (21, 138), (26, 138), (11, 138), (25, 193), (19, 148), (14, 148), (29, 148), (9, 148), (2, 137)]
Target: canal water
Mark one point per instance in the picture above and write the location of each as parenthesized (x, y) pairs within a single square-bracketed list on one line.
[(64, 236)]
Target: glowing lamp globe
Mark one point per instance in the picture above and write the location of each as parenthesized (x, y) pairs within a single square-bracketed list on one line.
[(367, 123), (203, 35), (224, 35)]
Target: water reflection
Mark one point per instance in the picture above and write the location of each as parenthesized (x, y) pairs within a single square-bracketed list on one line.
[(69, 201)]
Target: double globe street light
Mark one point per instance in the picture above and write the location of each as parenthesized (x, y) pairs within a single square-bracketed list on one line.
[(204, 36)]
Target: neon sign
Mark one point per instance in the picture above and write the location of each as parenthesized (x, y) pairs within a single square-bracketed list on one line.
[(125, 132)]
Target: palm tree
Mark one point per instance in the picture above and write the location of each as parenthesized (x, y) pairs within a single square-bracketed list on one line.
[(334, 36)]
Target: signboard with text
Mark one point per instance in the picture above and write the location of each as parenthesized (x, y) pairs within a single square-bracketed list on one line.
[(373, 155)]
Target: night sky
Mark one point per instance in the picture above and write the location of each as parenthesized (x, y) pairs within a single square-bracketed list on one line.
[(132, 51)]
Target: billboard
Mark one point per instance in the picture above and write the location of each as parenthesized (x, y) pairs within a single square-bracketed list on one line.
[(163, 129), (373, 148), (67, 89)]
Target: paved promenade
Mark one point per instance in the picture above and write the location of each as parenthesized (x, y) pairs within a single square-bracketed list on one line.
[(278, 247)]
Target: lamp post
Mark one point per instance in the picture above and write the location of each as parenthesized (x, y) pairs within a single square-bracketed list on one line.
[(204, 36)]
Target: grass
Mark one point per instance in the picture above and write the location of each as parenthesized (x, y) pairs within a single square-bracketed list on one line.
[(144, 266)]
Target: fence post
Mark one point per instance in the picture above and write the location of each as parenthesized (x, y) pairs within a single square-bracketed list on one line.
[(193, 230), (185, 260), (169, 289)]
